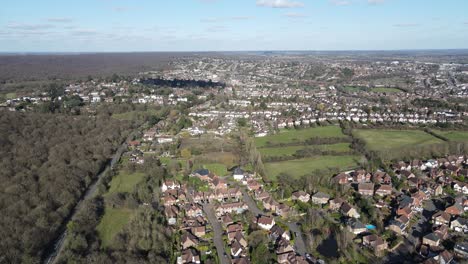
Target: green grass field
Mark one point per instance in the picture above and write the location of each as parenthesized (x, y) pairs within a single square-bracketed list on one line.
[(217, 168), (381, 140), (299, 135), (299, 167), (385, 90), (167, 160), (125, 182), (112, 223), (457, 136), (10, 95), (279, 151), (290, 150)]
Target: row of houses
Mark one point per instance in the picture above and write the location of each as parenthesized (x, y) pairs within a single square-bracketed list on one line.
[(284, 250), (270, 204), (405, 204)]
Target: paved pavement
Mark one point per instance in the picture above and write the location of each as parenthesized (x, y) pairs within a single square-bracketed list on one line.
[(224, 258)]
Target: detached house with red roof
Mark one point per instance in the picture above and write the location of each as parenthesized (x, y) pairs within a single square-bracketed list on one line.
[(265, 222), (366, 188), (300, 196), (384, 190)]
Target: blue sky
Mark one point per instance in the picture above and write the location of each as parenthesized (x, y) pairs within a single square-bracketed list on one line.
[(214, 25)]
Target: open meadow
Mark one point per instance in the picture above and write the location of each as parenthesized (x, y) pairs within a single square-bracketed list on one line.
[(385, 90), (290, 150), (299, 167), (113, 221), (298, 136), (452, 135), (211, 152), (296, 156), (383, 139), (124, 182)]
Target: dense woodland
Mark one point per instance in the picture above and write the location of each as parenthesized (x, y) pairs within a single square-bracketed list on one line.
[(145, 239), (47, 161), (71, 66)]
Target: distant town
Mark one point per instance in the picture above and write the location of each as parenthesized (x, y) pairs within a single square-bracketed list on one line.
[(264, 158)]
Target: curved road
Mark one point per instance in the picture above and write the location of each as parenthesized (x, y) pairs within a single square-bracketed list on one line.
[(293, 226), (53, 251), (223, 256)]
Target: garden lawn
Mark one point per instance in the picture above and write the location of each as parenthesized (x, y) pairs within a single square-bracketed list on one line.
[(124, 182), (217, 168), (457, 136), (381, 140), (286, 136), (168, 160), (165, 160), (10, 96), (299, 167), (112, 223), (229, 159)]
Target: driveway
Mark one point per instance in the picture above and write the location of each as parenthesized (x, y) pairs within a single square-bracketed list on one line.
[(224, 258)]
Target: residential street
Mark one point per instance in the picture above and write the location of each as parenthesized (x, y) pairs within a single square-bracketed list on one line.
[(223, 256), (299, 242), (293, 227), (422, 227), (251, 203)]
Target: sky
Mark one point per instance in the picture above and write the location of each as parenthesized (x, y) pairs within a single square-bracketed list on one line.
[(231, 25)]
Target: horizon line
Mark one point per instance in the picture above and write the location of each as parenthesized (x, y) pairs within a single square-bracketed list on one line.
[(227, 51)]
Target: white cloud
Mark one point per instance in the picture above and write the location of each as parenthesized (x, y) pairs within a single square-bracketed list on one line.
[(121, 8), (241, 17), (340, 2), (60, 20), (295, 15), (211, 20), (279, 3), (29, 27), (217, 29), (84, 32), (375, 2), (406, 25), (222, 19)]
